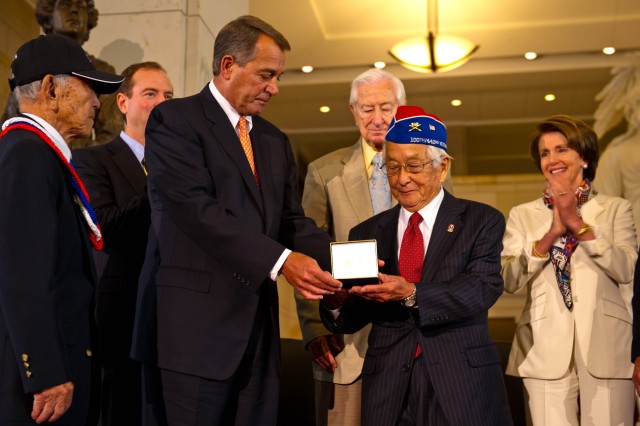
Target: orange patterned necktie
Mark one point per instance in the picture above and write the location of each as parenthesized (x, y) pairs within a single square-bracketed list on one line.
[(243, 134)]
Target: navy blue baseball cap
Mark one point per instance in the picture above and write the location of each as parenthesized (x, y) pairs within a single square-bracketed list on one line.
[(412, 124), (55, 54)]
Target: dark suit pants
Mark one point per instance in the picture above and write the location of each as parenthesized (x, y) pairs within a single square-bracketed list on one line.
[(248, 398)]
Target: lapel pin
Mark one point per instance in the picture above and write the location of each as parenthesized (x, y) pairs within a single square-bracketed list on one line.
[(450, 228)]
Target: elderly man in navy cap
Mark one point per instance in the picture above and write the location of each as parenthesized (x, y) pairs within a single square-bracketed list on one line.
[(47, 228), (430, 359)]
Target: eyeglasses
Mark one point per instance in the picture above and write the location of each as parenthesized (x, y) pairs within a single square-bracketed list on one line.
[(392, 168)]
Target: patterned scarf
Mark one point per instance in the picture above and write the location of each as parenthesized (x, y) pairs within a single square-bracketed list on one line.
[(81, 197), (561, 255)]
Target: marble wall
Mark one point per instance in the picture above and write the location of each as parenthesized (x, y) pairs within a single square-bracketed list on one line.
[(178, 34)]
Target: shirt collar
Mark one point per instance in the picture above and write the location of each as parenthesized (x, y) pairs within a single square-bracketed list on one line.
[(231, 113), (136, 147), (56, 137), (368, 153), (428, 212)]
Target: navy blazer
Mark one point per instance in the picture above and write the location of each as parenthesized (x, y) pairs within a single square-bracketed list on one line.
[(47, 281), (218, 234), (460, 282)]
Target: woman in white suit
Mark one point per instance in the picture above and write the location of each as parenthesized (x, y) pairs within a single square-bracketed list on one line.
[(574, 252)]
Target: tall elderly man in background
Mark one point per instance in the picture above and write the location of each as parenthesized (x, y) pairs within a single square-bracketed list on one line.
[(430, 359), (47, 227), (115, 176), (225, 210), (342, 189)]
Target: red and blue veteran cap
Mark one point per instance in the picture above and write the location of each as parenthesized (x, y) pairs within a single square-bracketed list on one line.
[(56, 54), (412, 124)]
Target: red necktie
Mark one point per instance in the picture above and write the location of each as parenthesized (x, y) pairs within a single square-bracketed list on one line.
[(411, 258), (412, 251)]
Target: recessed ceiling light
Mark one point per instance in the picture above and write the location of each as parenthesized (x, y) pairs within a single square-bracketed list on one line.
[(456, 102), (325, 109), (530, 56), (307, 69), (379, 65), (609, 50), (550, 97)]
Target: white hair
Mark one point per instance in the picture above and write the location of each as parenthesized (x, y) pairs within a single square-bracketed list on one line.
[(375, 75), (29, 92), (436, 154)]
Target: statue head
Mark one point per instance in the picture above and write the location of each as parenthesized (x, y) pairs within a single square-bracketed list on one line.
[(71, 18)]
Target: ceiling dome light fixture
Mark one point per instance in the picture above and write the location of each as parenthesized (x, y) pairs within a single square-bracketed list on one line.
[(549, 97), (609, 50), (530, 56), (307, 69), (436, 52), (379, 64)]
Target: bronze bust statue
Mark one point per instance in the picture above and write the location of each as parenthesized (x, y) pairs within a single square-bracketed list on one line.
[(76, 19)]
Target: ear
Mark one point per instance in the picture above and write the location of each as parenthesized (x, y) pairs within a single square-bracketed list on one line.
[(49, 92), (121, 101), (49, 87), (227, 65), (444, 168)]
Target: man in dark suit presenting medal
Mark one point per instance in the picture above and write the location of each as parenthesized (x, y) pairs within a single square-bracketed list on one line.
[(225, 210)]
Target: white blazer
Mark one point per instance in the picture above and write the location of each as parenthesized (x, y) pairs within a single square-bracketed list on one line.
[(601, 285)]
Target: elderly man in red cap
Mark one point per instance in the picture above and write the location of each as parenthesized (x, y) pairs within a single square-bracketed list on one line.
[(430, 359), (47, 228)]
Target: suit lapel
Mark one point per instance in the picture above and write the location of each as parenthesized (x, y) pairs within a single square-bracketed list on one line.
[(223, 132), (261, 155), (128, 164), (354, 178), (446, 228), (387, 235), (591, 210)]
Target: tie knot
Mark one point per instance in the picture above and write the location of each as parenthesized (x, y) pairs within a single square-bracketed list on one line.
[(415, 219), (377, 159), (242, 123)]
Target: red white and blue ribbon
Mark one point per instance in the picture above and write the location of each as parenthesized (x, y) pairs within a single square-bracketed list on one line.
[(81, 197)]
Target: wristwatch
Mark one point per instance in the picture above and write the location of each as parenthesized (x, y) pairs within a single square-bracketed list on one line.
[(410, 301)]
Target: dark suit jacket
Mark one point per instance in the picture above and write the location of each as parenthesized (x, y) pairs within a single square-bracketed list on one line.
[(47, 281), (117, 186), (460, 282), (218, 234)]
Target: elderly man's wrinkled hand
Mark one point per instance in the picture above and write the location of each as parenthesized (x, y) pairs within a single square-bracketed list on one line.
[(323, 350), (50, 404), (392, 288)]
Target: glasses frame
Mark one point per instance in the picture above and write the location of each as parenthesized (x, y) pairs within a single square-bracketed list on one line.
[(406, 167)]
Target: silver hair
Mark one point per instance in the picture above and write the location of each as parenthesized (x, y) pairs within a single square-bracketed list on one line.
[(29, 92), (375, 75), (437, 154)]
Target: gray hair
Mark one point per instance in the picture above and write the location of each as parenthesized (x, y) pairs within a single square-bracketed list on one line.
[(436, 154), (29, 92), (238, 38), (375, 75)]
